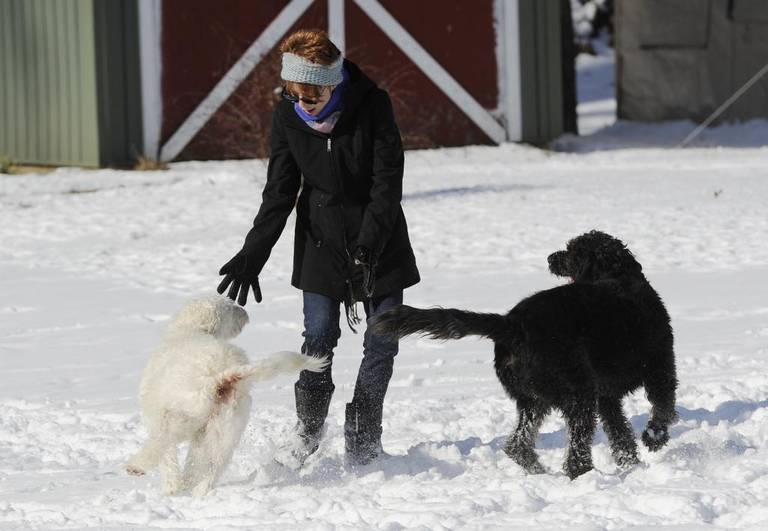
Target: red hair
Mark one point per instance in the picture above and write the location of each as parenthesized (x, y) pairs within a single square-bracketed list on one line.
[(313, 45)]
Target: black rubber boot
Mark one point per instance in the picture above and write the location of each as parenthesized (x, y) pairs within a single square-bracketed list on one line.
[(311, 411), (362, 433)]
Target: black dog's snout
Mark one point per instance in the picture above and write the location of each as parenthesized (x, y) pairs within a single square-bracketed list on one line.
[(557, 263)]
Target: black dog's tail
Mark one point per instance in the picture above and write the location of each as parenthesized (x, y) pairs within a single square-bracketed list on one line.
[(439, 323)]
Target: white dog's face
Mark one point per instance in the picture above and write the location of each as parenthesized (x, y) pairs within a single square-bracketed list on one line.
[(216, 315)]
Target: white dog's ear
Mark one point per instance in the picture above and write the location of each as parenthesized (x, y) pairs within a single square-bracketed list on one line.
[(199, 315), (241, 317), (210, 319)]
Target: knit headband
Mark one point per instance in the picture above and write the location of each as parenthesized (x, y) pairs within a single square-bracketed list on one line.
[(300, 70)]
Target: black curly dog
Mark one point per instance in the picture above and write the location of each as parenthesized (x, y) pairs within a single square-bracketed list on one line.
[(578, 348)]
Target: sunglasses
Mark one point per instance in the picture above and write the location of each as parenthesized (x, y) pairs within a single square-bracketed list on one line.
[(293, 98)]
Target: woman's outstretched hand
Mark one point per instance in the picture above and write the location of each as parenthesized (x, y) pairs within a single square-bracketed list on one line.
[(239, 280)]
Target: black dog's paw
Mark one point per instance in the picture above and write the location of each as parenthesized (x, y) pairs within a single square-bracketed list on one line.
[(575, 469), (626, 459), (655, 437), (525, 457), (535, 468)]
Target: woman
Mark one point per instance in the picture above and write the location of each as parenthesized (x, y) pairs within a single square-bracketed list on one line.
[(336, 145)]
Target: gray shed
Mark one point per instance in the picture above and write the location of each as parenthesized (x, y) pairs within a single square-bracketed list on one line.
[(681, 59)]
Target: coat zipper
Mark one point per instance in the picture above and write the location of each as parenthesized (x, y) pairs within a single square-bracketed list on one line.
[(341, 203), (349, 307)]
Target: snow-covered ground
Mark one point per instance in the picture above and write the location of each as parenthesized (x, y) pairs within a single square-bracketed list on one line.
[(93, 263), (595, 88)]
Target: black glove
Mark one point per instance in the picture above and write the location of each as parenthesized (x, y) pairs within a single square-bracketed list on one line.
[(241, 278), (361, 256)]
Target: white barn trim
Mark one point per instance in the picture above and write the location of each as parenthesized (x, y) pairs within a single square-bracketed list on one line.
[(150, 19), (509, 70), (433, 70), (232, 79)]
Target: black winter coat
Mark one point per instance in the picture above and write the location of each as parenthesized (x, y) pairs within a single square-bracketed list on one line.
[(349, 185)]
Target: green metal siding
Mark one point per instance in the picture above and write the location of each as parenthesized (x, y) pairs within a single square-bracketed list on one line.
[(48, 112), (118, 81), (541, 70)]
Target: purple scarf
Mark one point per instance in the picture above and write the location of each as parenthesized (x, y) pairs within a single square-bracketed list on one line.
[(333, 105)]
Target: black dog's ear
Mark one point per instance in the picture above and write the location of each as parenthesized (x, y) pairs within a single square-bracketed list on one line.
[(599, 256), (583, 269), (583, 257), (629, 264), (615, 260)]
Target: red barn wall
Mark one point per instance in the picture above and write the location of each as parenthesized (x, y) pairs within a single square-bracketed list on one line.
[(201, 40)]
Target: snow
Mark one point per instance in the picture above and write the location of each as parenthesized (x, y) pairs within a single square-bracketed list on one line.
[(595, 88), (93, 262)]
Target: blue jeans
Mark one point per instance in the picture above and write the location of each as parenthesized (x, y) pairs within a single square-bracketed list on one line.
[(321, 334)]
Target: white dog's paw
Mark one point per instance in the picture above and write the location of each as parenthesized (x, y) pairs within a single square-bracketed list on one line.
[(134, 470), (201, 489), (288, 459), (171, 488)]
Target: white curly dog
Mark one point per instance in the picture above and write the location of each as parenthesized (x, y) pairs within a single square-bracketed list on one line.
[(195, 388)]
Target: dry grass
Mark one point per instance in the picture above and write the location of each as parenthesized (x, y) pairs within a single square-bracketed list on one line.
[(7, 164), (144, 163), (241, 128), (22, 169), (416, 123)]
